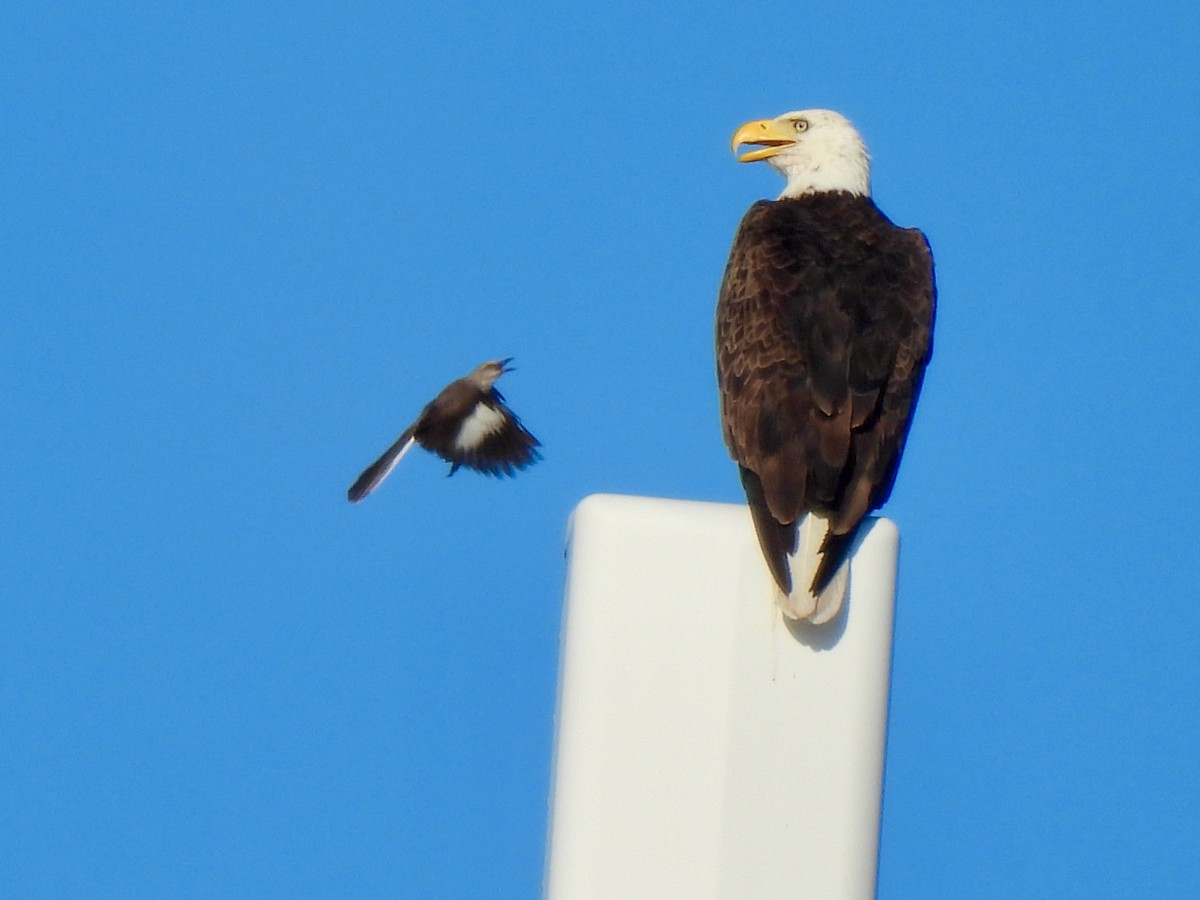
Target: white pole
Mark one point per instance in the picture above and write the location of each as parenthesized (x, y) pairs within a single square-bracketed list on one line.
[(705, 748)]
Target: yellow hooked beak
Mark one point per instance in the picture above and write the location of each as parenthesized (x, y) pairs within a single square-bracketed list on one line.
[(772, 134)]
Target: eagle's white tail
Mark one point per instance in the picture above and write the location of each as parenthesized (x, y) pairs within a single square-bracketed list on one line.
[(802, 603)]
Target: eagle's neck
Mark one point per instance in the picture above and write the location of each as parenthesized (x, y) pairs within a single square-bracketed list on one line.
[(824, 182), (821, 201), (845, 168)]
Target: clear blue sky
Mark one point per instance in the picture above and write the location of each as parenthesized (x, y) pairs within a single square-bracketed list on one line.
[(244, 243)]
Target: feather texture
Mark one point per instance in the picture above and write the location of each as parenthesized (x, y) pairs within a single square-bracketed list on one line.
[(824, 327)]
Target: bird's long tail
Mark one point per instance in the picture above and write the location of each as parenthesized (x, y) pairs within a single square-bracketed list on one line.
[(374, 474)]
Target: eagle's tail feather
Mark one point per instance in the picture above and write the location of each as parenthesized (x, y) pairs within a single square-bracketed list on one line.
[(834, 550), (819, 578)]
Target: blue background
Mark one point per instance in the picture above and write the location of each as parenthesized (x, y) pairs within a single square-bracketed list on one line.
[(242, 245)]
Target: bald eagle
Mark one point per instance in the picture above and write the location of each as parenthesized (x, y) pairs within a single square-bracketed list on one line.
[(824, 330)]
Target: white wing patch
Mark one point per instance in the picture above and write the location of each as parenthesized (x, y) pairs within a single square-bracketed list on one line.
[(477, 427)]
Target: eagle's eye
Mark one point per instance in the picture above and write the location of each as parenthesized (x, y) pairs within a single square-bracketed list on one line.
[(800, 125)]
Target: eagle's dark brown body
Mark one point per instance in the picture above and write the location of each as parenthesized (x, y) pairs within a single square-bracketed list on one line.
[(824, 328)]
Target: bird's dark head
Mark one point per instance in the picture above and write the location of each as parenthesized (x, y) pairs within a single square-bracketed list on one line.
[(485, 374), (814, 149)]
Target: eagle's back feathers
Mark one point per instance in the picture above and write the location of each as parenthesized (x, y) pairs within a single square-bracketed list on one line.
[(823, 333)]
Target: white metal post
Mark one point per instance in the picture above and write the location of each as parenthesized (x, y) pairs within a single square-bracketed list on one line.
[(705, 747)]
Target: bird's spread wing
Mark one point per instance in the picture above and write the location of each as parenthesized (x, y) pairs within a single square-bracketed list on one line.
[(490, 439)]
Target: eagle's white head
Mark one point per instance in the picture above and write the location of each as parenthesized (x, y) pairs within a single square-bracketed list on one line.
[(816, 150)]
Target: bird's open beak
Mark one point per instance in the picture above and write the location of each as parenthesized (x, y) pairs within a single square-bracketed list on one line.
[(771, 134), (504, 365)]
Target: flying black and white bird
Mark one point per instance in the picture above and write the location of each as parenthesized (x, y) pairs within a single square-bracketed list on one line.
[(467, 424), (824, 330)]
